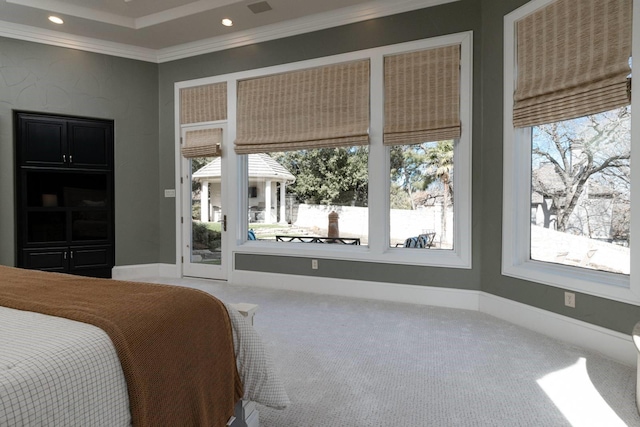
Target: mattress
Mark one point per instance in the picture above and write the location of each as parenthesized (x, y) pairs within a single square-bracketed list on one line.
[(56, 371)]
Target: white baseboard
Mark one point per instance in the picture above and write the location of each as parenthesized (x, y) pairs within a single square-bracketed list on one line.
[(612, 344), (425, 295), (133, 272)]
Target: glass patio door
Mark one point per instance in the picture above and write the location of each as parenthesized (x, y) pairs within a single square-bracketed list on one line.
[(203, 218)]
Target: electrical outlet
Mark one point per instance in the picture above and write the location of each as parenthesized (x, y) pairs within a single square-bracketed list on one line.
[(570, 299), (314, 264)]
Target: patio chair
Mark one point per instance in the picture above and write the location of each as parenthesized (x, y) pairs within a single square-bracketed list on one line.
[(421, 241)]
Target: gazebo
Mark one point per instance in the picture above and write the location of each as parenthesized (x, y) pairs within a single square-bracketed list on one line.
[(265, 175)]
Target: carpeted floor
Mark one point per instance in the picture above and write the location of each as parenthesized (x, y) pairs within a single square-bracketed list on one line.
[(351, 362)]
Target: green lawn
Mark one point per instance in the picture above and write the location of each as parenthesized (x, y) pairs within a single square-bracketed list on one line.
[(216, 226)]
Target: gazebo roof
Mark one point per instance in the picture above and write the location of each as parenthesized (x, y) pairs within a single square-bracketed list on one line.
[(261, 165)]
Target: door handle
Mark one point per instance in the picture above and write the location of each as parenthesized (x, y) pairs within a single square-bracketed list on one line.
[(224, 223)]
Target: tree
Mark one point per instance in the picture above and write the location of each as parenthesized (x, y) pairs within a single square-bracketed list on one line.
[(440, 159), (328, 175), (596, 148), (418, 167), (198, 163), (408, 167)]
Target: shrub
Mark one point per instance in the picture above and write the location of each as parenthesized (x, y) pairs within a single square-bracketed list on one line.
[(205, 238)]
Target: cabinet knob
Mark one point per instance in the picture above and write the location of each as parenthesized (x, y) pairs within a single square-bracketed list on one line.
[(64, 158), (70, 158)]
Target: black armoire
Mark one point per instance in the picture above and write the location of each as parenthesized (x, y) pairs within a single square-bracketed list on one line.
[(64, 194)]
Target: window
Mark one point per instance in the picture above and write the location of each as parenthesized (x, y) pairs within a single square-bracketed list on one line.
[(567, 213), (315, 196), (334, 184), (299, 129), (580, 192), (421, 198), (421, 104)]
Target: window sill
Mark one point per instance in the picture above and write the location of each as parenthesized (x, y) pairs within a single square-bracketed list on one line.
[(611, 286)]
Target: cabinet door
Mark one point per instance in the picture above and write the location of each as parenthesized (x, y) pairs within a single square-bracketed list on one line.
[(90, 258), (42, 141), (47, 259), (90, 144)]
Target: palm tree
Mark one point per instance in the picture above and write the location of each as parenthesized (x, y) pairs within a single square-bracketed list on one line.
[(440, 160)]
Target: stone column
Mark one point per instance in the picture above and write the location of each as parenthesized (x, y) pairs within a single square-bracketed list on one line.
[(283, 201), (204, 202), (267, 202)]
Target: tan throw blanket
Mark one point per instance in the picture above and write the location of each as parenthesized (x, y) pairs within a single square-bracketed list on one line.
[(175, 344)]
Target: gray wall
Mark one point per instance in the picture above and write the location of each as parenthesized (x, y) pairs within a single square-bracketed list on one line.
[(41, 78), (598, 311), (485, 18), (441, 20)]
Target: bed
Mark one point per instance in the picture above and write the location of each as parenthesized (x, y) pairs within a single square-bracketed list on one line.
[(58, 370)]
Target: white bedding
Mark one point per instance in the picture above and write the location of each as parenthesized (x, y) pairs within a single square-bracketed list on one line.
[(55, 372)]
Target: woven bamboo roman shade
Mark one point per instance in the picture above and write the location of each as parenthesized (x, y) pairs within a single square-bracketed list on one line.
[(422, 96), (315, 108), (206, 103), (202, 143), (573, 60)]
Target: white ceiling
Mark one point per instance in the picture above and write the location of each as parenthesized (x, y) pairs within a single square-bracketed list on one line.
[(164, 30)]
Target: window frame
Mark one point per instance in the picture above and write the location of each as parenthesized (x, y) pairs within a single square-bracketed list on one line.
[(378, 249), (516, 209)]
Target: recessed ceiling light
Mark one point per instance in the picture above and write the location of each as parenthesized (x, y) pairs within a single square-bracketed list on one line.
[(227, 22), (56, 20)]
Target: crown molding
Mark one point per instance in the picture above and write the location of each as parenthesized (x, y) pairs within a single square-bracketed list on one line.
[(289, 28), (56, 38), (181, 11), (320, 21), (61, 7)]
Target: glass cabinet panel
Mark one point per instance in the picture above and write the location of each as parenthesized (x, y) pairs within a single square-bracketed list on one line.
[(89, 225), (46, 227)]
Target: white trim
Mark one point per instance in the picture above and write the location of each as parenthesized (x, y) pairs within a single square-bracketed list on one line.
[(168, 270), (378, 207), (179, 178), (321, 21), (203, 270), (615, 345), (516, 214), (635, 177), (60, 39), (610, 343), (178, 12), (63, 8), (126, 21), (411, 294), (344, 16), (139, 271)]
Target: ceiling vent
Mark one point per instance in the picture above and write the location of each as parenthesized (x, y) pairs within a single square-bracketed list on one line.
[(259, 7)]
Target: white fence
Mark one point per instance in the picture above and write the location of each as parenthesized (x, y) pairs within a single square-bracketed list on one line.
[(354, 221)]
